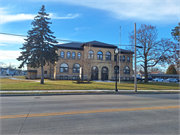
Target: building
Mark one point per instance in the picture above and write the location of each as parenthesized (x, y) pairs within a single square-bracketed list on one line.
[(97, 60)]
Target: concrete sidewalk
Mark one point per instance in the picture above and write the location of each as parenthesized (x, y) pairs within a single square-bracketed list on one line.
[(79, 92)]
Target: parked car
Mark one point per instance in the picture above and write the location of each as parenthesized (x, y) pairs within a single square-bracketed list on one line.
[(177, 80), (158, 80), (171, 80)]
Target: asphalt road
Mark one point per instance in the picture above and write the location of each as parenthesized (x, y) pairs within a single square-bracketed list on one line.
[(138, 114)]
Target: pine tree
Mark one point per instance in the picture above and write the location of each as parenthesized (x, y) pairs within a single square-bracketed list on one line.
[(39, 48), (171, 70)]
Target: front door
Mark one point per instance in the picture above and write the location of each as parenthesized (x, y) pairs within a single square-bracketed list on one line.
[(94, 75), (104, 73)]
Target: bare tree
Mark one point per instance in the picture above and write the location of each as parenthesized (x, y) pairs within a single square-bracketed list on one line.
[(88, 60), (153, 51)]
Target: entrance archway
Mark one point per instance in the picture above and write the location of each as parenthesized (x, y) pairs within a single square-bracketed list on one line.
[(104, 73), (94, 75)]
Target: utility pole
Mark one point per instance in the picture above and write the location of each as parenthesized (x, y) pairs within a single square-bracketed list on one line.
[(135, 73), (119, 56)]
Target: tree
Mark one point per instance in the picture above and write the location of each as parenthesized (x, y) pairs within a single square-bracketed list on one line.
[(176, 33), (39, 48), (176, 57), (171, 70), (152, 51)]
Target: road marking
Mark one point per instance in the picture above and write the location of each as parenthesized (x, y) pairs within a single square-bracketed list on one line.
[(85, 111)]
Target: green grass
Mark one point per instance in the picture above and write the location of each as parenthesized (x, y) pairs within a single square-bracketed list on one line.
[(9, 84)]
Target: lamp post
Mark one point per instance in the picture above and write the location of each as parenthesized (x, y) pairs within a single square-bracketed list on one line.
[(116, 52)]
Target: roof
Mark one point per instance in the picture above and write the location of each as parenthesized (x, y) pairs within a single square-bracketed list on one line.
[(99, 44), (80, 46)]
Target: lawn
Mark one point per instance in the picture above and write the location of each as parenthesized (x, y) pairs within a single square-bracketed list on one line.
[(22, 84)]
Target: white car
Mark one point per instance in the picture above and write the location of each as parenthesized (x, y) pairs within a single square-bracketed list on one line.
[(158, 80), (171, 80)]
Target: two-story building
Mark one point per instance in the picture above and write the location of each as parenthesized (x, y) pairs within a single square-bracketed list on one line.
[(97, 60)]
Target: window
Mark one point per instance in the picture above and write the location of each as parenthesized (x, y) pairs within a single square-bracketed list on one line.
[(116, 69), (73, 55), (128, 59), (62, 54), (45, 72), (64, 68), (76, 68), (61, 77), (108, 56), (79, 55), (126, 70), (123, 59), (99, 55), (66, 78), (91, 54), (68, 55), (74, 77)]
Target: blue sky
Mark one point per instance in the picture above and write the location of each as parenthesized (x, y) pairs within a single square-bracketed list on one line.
[(85, 20)]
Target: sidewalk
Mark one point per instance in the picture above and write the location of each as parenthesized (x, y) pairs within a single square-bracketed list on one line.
[(78, 92)]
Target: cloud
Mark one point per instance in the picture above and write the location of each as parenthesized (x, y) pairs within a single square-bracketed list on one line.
[(145, 10), (7, 17), (69, 16), (5, 55), (81, 28), (7, 39)]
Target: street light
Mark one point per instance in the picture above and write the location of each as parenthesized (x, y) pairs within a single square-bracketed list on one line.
[(116, 52)]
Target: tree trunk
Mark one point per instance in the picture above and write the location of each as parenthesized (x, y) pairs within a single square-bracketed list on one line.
[(42, 73), (146, 73)]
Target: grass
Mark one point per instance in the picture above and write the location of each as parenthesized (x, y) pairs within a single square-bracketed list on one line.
[(11, 84)]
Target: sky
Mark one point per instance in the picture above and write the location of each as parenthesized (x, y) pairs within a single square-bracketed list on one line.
[(84, 21)]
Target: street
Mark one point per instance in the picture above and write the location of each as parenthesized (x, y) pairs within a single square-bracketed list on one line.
[(156, 114)]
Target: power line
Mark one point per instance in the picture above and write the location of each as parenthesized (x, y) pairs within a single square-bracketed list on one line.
[(10, 34)]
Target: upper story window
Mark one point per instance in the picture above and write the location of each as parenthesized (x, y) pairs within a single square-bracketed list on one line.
[(128, 59), (68, 55), (126, 70), (79, 55), (76, 68), (123, 58), (73, 55), (108, 56), (91, 54), (99, 55), (62, 54), (64, 68)]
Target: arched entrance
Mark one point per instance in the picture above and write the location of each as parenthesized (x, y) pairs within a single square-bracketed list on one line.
[(94, 75), (104, 73)]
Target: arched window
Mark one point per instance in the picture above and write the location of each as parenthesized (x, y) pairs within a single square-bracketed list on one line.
[(126, 70), (128, 59), (64, 68), (79, 55), (68, 55), (62, 54), (123, 58), (99, 55), (73, 55), (76, 68), (108, 56), (91, 54), (116, 69)]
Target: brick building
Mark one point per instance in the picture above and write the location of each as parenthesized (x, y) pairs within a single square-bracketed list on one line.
[(97, 60)]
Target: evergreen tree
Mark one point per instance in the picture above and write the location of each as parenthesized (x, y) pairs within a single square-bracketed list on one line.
[(39, 48), (171, 70)]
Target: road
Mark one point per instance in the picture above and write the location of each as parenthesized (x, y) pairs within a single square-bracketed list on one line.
[(156, 114)]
